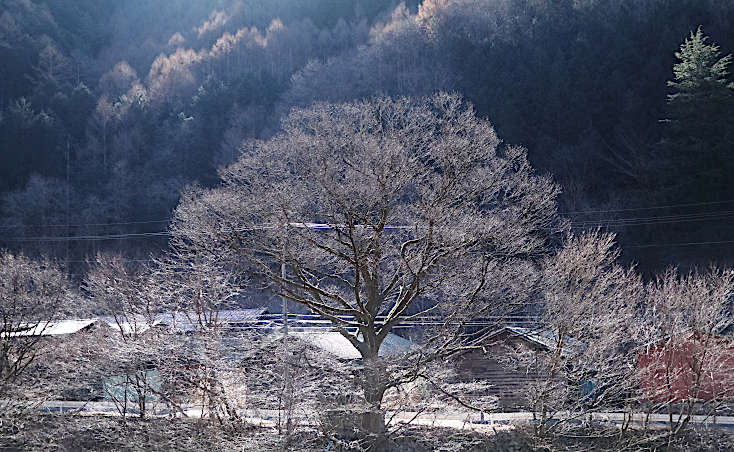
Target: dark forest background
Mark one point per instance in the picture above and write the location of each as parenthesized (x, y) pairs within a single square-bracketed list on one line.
[(109, 109)]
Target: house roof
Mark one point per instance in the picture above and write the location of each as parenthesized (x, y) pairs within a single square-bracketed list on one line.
[(56, 328), (336, 344), (184, 323), (687, 333), (241, 315), (128, 324), (543, 338)]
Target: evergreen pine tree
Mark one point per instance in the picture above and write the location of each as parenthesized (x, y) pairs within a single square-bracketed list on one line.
[(700, 132)]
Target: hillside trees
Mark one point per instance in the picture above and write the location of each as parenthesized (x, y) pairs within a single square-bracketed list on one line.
[(581, 83), (379, 211), (29, 138)]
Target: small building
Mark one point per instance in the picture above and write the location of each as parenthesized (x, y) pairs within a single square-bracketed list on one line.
[(48, 348), (507, 363), (690, 365)]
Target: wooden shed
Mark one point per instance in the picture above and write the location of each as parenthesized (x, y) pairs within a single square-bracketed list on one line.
[(509, 363)]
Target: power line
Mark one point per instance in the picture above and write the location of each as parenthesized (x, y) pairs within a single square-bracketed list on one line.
[(642, 221), (618, 222), (89, 237), (653, 245), (648, 245), (121, 223), (646, 221), (577, 212), (629, 209), (665, 217)]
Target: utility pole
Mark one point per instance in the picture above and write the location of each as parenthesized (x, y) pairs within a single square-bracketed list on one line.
[(68, 200), (287, 385), (284, 308)]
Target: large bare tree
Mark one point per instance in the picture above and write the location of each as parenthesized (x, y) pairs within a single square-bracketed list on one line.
[(372, 213)]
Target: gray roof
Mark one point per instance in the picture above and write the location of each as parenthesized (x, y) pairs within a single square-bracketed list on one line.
[(129, 324), (544, 338), (188, 322), (336, 344), (183, 322)]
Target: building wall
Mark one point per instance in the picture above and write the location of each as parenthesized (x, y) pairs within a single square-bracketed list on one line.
[(696, 367), (511, 379)]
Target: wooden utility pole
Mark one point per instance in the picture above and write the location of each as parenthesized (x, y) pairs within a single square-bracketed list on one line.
[(287, 384), (284, 308), (68, 200)]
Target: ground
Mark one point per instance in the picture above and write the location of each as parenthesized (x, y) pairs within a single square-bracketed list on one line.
[(53, 432)]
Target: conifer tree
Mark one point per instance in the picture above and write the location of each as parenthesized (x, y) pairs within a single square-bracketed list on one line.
[(700, 125)]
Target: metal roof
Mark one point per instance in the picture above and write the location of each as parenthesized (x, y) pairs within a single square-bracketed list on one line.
[(128, 324), (339, 346), (241, 315), (56, 328), (183, 322), (545, 338), (689, 332), (135, 323)]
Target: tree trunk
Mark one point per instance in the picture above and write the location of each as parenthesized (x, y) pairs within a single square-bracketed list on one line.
[(373, 418)]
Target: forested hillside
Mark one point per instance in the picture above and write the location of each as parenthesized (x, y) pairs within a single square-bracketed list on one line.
[(109, 110)]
